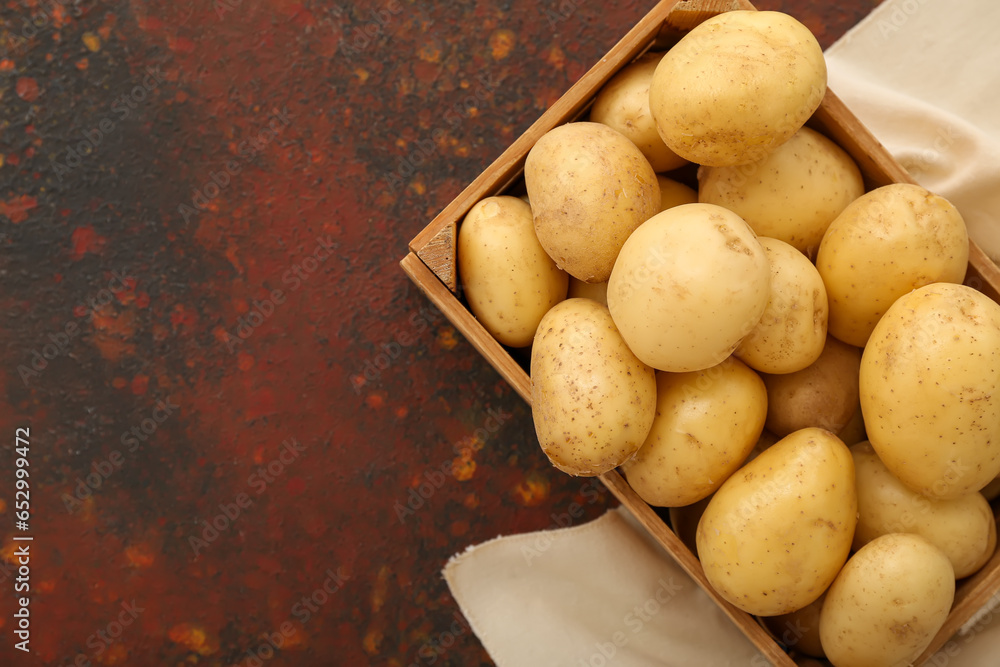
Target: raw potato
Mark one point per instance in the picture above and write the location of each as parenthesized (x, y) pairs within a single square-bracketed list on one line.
[(792, 332), (930, 390), (824, 395), (673, 193), (684, 520), (887, 603), (689, 284), (778, 531), (623, 105), (589, 187), (737, 86), (799, 630), (792, 194), (963, 528), (706, 424), (508, 279), (596, 291), (592, 401), (886, 243)]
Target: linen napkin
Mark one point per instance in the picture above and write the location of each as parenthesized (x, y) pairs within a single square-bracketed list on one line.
[(924, 76)]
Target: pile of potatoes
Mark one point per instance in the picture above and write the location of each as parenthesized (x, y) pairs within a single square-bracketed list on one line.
[(790, 363)]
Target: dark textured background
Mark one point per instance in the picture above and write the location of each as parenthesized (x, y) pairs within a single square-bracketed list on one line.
[(379, 132)]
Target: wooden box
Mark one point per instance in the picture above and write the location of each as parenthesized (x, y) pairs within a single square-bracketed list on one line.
[(431, 264)]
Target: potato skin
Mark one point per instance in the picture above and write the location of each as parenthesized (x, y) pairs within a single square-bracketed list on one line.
[(706, 424), (592, 400), (508, 279), (779, 529), (930, 390), (963, 528), (884, 244), (737, 86), (623, 105), (792, 193), (589, 188), (888, 602), (824, 394), (791, 333), (673, 193), (688, 285)]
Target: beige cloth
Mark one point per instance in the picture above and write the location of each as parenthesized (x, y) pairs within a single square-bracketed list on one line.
[(603, 593), (924, 76)]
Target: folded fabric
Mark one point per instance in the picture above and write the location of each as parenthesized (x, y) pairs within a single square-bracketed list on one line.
[(924, 76), (603, 593)]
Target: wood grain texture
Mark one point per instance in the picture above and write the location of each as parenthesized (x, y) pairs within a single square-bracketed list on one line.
[(509, 166), (440, 252), (465, 322), (832, 118), (645, 515), (973, 593)]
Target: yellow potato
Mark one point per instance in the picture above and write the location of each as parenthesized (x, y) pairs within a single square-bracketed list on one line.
[(508, 279), (589, 187), (623, 105), (930, 390), (799, 630), (592, 401), (886, 243), (963, 528), (688, 285), (887, 603), (737, 86), (706, 424), (581, 290), (777, 532), (825, 394), (673, 193), (684, 520), (792, 332), (792, 193)]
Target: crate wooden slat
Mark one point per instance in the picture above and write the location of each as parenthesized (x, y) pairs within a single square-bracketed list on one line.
[(431, 265)]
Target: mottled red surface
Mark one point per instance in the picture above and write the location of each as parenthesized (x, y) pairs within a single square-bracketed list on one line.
[(230, 289)]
